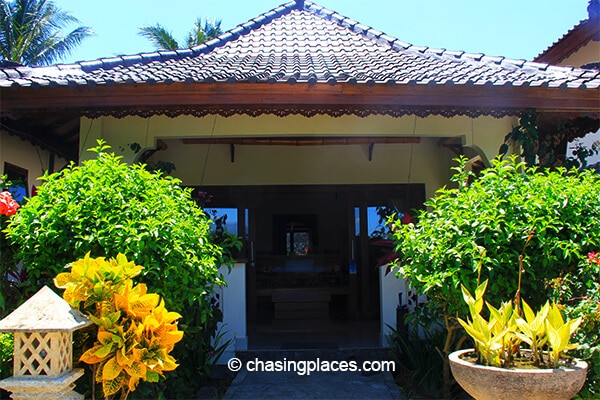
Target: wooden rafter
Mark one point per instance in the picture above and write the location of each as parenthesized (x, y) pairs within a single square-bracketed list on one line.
[(306, 141)]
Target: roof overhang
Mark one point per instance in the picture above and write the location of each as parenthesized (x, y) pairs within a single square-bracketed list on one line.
[(256, 98)]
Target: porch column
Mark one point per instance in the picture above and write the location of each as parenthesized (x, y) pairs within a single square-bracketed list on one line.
[(233, 305), (389, 288)]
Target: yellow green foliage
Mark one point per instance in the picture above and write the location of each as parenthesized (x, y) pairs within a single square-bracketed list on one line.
[(136, 332), (559, 333), (498, 338), (93, 280), (495, 339)]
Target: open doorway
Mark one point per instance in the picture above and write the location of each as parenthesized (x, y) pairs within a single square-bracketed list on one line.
[(312, 276)]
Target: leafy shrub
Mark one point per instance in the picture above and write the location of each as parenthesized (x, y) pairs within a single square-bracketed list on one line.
[(9, 277), (105, 207), (579, 291), (419, 365), (6, 360), (480, 229), (6, 354)]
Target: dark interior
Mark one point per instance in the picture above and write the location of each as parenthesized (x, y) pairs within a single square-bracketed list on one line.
[(308, 249)]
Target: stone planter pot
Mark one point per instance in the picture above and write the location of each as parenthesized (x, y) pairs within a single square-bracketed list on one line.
[(494, 383)]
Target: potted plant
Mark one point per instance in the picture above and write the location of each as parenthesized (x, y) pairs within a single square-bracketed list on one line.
[(499, 368), (478, 229)]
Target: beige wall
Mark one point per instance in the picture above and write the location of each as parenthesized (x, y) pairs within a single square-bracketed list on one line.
[(23, 154), (298, 165), (486, 132), (271, 165), (586, 54)]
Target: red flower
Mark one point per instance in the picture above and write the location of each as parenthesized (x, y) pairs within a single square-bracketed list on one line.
[(594, 258), (406, 219), (8, 205)]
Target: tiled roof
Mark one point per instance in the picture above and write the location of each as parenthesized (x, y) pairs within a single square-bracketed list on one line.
[(301, 42)]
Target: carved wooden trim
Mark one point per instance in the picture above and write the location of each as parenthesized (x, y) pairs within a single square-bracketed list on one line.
[(283, 111)]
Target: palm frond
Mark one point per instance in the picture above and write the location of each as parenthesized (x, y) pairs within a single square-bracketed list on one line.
[(160, 37), (31, 32), (201, 33)]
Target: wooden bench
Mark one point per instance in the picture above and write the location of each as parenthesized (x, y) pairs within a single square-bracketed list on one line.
[(301, 303)]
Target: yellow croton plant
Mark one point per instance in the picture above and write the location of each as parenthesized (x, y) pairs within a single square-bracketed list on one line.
[(136, 333)]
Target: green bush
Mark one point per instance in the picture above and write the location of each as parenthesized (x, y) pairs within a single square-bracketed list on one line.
[(579, 291), (418, 363), (480, 229), (6, 355), (10, 295), (106, 207)]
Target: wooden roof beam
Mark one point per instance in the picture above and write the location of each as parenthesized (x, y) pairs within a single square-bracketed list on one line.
[(307, 141)]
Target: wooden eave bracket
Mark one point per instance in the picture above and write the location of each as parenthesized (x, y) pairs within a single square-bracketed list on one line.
[(454, 144)]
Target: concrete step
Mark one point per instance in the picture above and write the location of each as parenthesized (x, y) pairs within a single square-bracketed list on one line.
[(320, 351)]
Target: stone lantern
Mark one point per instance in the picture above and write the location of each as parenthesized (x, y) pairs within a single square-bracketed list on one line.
[(43, 348)]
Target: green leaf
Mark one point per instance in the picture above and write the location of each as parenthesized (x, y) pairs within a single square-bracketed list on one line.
[(104, 351), (152, 376)]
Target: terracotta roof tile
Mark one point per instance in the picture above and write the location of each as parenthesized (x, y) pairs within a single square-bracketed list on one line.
[(309, 45)]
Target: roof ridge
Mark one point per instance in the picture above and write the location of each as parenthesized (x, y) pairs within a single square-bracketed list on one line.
[(203, 48), (594, 23), (242, 29), (356, 26), (398, 44), (246, 27)]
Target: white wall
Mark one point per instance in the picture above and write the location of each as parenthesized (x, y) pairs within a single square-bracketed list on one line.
[(586, 141), (233, 306), (389, 287), (24, 155)]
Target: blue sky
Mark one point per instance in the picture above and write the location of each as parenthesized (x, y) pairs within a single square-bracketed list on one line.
[(512, 28)]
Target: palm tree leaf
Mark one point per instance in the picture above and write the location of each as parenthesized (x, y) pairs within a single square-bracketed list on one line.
[(160, 37), (202, 33), (30, 32)]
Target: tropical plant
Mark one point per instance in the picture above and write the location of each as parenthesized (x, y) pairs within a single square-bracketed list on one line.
[(579, 291), (135, 332), (8, 208), (106, 207), (6, 354), (478, 231), (545, 147), (498, 339), (418, 364), (526, 135), (31, 32), (162, 39)]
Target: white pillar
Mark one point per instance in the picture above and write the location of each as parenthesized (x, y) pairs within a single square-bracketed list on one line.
[(233, 306), (389, 287)]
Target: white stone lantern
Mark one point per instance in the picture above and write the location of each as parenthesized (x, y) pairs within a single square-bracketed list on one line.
[(43, 348)]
